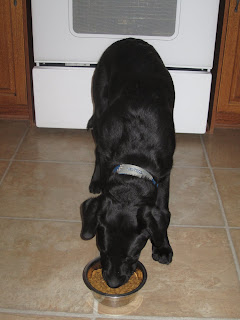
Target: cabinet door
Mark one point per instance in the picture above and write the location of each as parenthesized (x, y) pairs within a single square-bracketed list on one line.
[(12, 56), (228, 107)]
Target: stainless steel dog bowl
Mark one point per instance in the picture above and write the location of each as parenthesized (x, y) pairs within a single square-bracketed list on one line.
[(111, 300)]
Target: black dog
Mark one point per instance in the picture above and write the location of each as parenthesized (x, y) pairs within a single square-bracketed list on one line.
[(133, 127)]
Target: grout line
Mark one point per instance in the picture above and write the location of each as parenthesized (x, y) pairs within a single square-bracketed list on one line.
[(14, 155), (129, 317), (100, 316), (92, 163), (234, 228), (190, 167), (79, 221), (46, 313), (55, 161), (222, 212), (5, 172), (19, 144), (95, 308), (40, 219), (222, 168), (195, 226)]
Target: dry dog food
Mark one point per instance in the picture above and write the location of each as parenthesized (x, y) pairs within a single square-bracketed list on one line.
[(99, 283)]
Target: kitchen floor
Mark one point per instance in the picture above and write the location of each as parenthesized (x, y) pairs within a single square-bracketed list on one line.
[(44, 177)]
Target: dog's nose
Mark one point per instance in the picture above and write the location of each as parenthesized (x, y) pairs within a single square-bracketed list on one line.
[(115, 282)]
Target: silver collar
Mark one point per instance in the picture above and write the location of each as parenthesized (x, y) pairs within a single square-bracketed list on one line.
[(131, 170)]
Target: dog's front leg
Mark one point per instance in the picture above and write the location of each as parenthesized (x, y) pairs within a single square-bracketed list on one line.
[(161, 248), (162, 253)]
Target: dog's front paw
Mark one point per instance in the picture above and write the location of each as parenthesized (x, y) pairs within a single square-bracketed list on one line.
[(162, 255), (95, 187)]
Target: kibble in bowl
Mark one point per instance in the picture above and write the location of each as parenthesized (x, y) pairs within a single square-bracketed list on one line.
[(114, 297)]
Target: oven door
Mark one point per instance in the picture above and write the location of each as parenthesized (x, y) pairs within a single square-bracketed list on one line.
[(78, 31)]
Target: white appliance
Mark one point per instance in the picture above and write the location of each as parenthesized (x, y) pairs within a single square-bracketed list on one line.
[(69, 37)]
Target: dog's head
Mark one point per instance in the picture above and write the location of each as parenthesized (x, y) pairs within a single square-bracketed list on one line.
[(121, 231)]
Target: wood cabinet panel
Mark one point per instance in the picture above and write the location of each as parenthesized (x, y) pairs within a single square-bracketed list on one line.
[(235, 85), (7, 79), (13, 76), (228, 100)]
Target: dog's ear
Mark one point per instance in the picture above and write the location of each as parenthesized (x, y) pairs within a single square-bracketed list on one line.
[(156, 223), (90, 209)]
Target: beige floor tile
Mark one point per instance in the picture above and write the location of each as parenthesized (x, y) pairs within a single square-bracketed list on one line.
[(41, 266), (223, 148), (57, 144), (4, 316), (45, 190), (228, 182), (3, 167), (236, 241), (200, 282), (189, 151), (11, 133), (193, 199)]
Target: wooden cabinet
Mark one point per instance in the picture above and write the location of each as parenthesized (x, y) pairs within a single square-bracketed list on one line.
[(226, 110), (15, 87)]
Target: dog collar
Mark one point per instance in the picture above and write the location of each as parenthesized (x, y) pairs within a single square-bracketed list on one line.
[(135, 171)]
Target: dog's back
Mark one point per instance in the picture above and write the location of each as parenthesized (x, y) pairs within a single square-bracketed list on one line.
[(134, 98)]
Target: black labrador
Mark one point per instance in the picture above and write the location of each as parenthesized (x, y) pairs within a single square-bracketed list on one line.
[(134, 134)]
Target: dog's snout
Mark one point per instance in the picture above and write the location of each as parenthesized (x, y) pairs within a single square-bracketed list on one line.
[(115, 282)]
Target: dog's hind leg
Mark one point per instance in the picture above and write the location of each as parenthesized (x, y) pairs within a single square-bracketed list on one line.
[(95, 184)]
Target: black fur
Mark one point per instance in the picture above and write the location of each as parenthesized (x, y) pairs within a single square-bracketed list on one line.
[(132, 123)]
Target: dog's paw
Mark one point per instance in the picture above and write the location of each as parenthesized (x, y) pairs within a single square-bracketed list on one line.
[(162, 255), (95, 187)]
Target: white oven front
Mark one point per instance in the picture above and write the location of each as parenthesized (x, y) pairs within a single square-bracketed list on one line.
[(69, 37), (187, 41)]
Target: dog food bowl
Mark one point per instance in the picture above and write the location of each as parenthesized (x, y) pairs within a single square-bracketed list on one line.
[(112, 299)]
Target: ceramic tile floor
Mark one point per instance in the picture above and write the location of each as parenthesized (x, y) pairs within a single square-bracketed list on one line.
[(44, 176)]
